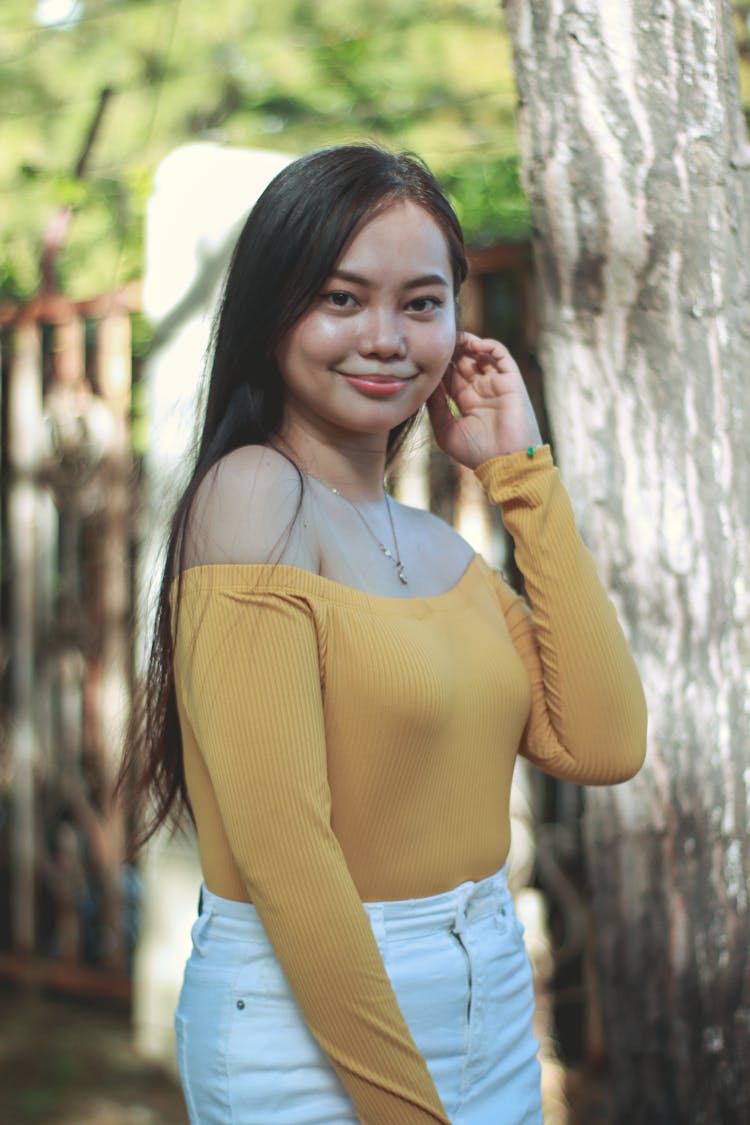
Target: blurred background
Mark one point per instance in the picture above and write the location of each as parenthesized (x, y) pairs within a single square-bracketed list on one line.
[(134, 135)]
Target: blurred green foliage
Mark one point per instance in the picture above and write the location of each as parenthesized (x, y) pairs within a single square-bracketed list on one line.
[(433, 76), (476, 188)]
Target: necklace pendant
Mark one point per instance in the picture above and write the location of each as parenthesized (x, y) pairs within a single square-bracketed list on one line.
[(394, 558)]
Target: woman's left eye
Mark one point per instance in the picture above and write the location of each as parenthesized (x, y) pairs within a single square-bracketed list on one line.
[(425, 304)]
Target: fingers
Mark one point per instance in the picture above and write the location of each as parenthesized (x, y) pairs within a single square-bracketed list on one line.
[(477, 354), (472, 341), (469, 344)]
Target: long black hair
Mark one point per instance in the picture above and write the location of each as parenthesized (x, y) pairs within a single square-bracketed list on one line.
[(287, 250)]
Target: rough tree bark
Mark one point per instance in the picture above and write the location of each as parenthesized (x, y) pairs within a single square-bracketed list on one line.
[(638, 174)]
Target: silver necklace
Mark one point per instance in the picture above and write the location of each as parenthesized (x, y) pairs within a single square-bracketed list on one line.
[(395, 559)]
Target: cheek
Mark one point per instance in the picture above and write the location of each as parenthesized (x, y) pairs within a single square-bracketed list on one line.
[(313, 339), (442, 343), (322, 339), (445, 332)]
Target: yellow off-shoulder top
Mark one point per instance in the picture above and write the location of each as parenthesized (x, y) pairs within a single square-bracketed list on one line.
[(341, 747)]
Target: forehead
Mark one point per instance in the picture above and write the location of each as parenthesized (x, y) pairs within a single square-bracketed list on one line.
[(401, 240)]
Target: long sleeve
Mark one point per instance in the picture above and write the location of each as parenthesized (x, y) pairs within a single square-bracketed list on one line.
[(250, 693), (588, 715)]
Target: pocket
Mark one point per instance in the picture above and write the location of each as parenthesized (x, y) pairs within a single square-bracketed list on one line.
[(268, 1041), (203, 1027)]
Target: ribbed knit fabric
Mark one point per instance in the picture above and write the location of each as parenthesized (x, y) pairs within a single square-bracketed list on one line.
[(342, 747)]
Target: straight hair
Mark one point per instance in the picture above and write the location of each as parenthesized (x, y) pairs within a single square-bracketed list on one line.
[(286, 251)]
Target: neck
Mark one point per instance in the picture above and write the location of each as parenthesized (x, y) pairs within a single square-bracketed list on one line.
[(353, 467)]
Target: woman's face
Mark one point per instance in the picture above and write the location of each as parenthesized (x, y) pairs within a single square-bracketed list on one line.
[(378, 338)]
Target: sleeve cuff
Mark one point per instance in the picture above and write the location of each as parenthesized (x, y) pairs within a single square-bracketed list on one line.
[(516, 476)]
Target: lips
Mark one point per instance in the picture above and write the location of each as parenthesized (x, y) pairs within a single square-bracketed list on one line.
[(377, 385)]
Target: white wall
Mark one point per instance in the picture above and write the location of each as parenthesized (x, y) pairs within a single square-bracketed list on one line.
[(202, 193)]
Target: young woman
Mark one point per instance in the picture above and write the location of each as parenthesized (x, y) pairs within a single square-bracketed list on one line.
[(339, 686)]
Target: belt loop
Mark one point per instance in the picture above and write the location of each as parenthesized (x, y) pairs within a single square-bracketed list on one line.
[(463, 894), (502, 894), (200, 925), (376, 914)]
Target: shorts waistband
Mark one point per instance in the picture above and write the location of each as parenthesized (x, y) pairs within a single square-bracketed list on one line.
[(449, 911)]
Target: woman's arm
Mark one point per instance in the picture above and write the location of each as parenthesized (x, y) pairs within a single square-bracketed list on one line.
[(588, 713)]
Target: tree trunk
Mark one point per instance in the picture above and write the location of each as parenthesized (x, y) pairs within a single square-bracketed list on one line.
[(638, 175)]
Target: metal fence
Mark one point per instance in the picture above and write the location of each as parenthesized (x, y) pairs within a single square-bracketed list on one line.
[(67, 508)]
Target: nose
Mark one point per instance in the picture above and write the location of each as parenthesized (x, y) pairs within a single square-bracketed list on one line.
[(383, 335)]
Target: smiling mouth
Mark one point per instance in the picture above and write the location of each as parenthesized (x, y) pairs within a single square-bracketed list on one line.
[(376, 376), (377, 385)]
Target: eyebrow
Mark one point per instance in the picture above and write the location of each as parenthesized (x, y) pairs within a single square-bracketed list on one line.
[(414, 283)]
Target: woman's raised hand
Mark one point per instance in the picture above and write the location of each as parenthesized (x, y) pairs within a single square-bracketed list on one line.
[(495, 413)]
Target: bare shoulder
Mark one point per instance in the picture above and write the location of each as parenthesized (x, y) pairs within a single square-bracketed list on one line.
[(434, 538), (248, 509)]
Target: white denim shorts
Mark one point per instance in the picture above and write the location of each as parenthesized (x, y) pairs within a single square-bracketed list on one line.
[(460, 972)]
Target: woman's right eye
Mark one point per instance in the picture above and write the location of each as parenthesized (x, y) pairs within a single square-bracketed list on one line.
[(339, 299)]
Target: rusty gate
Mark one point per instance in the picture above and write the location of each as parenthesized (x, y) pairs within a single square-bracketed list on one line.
[(68, 509)]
